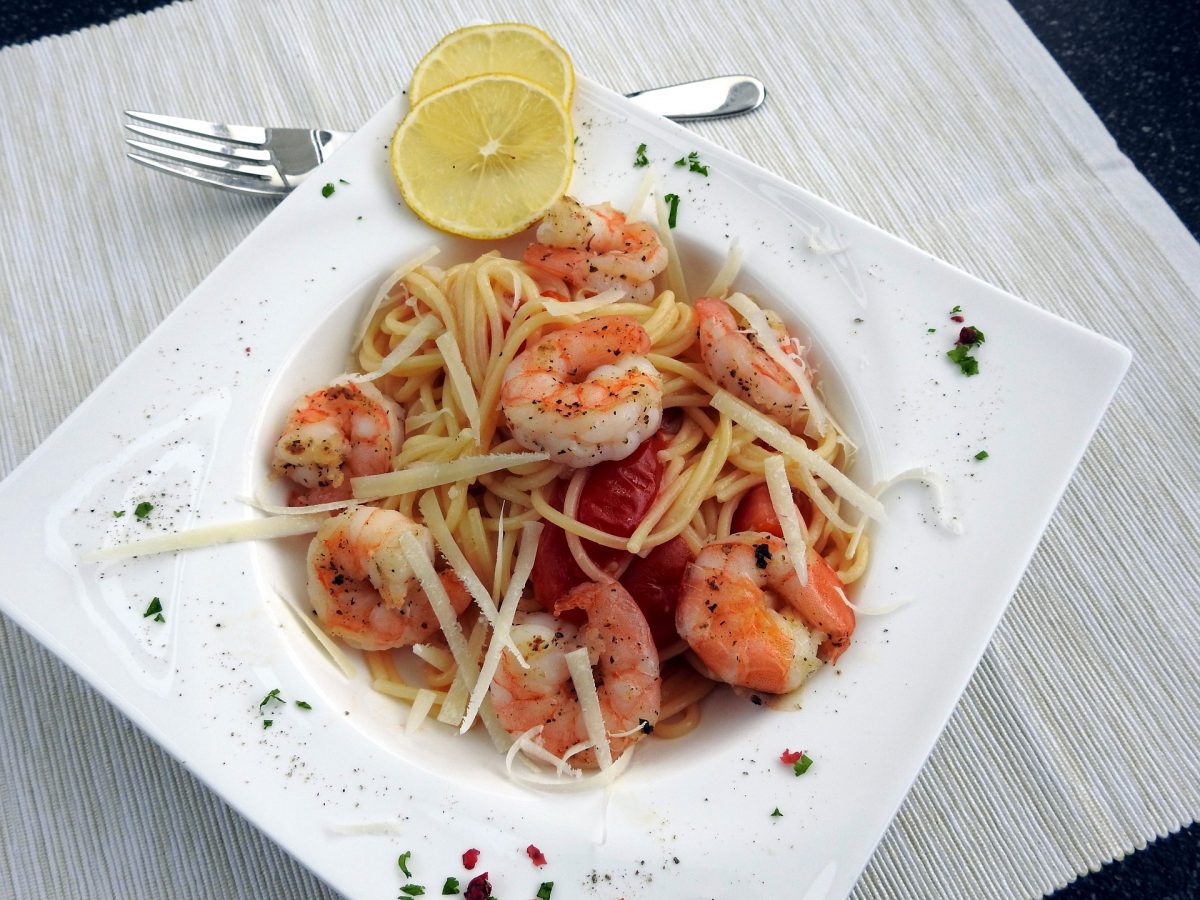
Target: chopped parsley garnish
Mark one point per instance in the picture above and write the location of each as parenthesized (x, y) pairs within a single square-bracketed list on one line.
[(969, 338), (328, 190), (961, 357), (956, 310), (930, 330), (801, 765), (267, 723), (117, 513), (155, 608), (776, 813), (450, 887), (402, 862), (273, 694), (413, 890), (159, 618), (544, 891), (981, 455), (673, 215), (143, 509), (342, 181), (640, 159), (304, 704), (692, 161)]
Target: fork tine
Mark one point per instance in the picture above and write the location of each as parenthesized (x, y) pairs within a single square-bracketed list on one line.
[(221, 148), (242, 134), (268, 173), (237, 183)]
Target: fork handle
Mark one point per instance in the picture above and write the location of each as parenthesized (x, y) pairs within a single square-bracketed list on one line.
[(708, 98)]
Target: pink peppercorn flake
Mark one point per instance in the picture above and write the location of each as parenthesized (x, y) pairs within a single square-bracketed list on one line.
[(479, 888), (538, 857), (957, 319), (790, 756), (470, 858)]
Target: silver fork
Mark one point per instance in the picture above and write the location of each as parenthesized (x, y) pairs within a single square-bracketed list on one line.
[(251, 159)]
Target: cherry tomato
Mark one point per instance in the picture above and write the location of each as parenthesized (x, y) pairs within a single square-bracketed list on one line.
[(654, 582), (615, 498), (756, 512)]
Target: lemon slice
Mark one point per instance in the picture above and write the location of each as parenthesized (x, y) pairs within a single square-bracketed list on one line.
[(508, 48), (484, 158)]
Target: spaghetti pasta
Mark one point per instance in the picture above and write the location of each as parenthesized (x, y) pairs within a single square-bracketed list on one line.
[(443, 343)]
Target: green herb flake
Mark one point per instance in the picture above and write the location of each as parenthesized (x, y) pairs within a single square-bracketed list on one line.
[(450, 887), (154, 608), (640, 160), (692, 161), (159, 618), (413, 890), (402, 862), (117, 513), (981, 455), (342, 181), (328, 190), (956, 310), (930, 330), (776, 814), (143, 509), (267, 723), (272, 694), (544, 891), (961, 357), (304, 704), (673, 214), (802, 765)]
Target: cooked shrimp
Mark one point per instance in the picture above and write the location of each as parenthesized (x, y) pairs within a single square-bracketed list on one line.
[(333, 435), (624, 661), (362, 587), (595, 248), (739, 365), (585, 393), (744, 612)]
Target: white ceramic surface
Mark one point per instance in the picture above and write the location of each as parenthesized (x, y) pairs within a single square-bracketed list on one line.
[(186, 421)]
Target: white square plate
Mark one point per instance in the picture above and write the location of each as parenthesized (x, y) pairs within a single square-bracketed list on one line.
[(186, 423)]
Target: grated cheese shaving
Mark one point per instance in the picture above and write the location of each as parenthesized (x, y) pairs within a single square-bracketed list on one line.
[(641, 195), (277, 510), (794, 533), (769, 341), (386, 288), (460, 380), (787, 443), (723, 280), (456, 698), (580, 666), (420, 476), (422, 331), (431, 512), (503, 623), (674, 266), (435, 656), (419, 710), (560, 308), (422, 566), (565, 779), (324, 641), (211, 535), (360, 828)]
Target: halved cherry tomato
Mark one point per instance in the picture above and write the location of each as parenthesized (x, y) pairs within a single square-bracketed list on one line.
[(654, 582), (757, 513), (615, 498)]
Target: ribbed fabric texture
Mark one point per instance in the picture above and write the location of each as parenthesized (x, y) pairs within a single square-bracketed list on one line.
[(945, 123)]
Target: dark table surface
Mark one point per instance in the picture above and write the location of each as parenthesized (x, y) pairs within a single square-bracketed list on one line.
[(1138, 64)]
